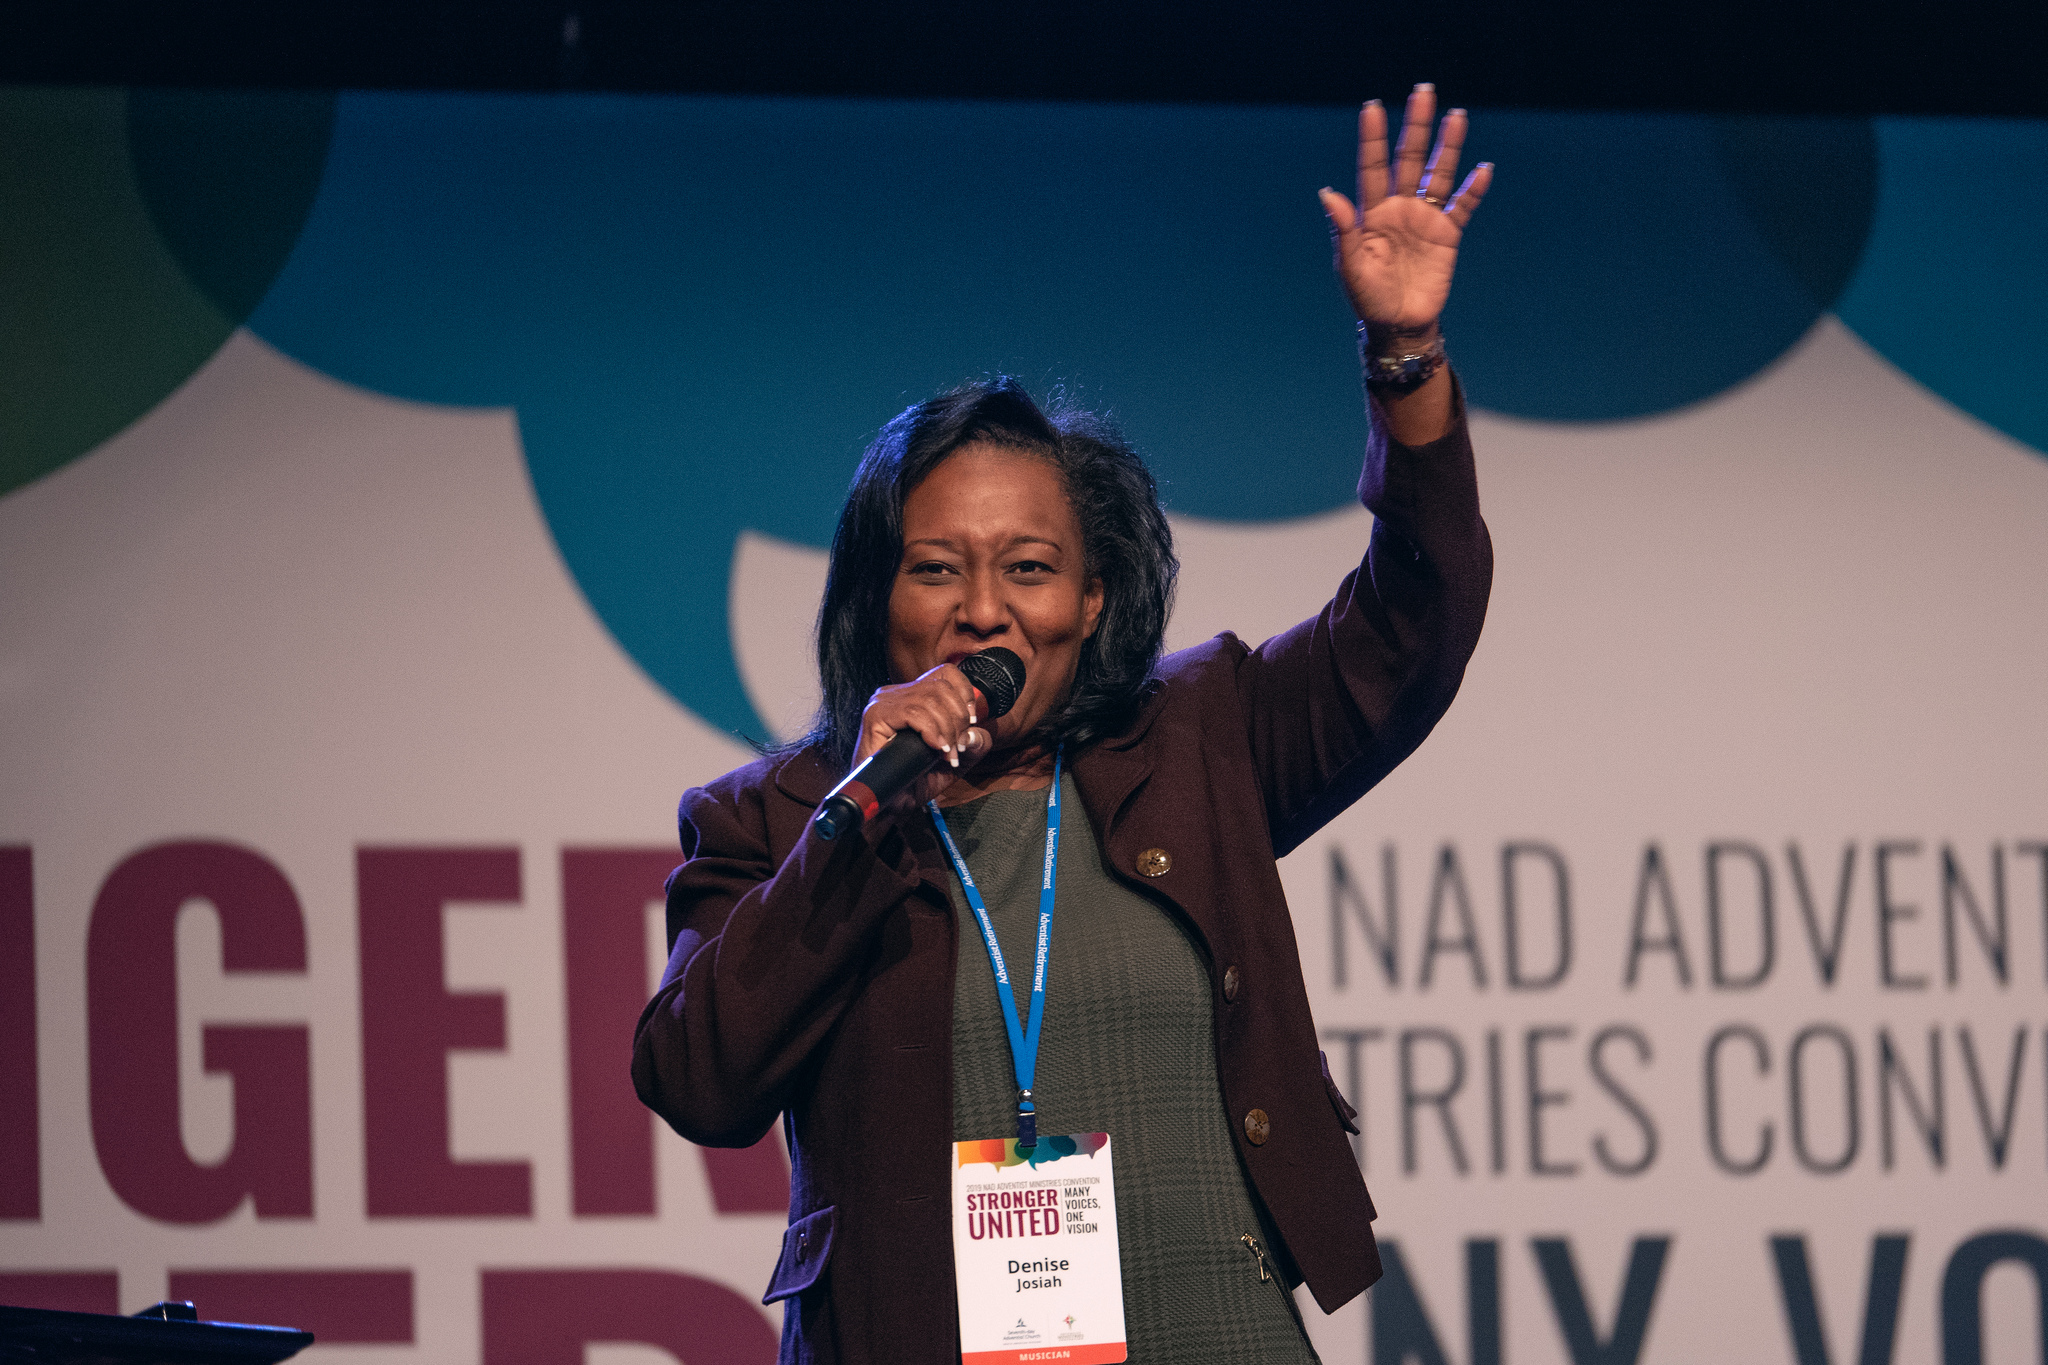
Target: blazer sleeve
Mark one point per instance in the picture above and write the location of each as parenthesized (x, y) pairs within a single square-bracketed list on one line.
[(765, 957), (1333, 704)]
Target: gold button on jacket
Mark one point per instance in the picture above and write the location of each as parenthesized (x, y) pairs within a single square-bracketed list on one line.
[(1154, 862), (1257, 1127)]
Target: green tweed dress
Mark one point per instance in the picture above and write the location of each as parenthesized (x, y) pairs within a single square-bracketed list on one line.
[(1127, 1049)]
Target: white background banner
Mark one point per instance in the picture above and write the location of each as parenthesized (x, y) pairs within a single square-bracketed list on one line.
[(1691, 980)]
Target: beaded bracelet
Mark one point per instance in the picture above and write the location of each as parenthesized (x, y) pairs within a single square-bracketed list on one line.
[(1404, 370)]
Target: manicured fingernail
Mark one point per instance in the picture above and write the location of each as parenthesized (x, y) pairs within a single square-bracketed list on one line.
[(970, 715), (953, 759), (1459, 112), (1485, 166), (1372, 104), (1425, 85)]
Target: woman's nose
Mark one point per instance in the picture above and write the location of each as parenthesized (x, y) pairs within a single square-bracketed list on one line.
[(982, 609)]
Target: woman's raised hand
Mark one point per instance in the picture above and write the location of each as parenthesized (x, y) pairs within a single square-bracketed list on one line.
[(1397, 246)]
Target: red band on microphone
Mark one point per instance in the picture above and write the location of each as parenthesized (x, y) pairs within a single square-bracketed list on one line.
[(860, 794)]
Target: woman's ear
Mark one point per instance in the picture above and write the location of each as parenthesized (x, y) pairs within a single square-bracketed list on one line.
[(1091, 607)]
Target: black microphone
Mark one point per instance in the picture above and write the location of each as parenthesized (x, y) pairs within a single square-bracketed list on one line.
[(997, 675)]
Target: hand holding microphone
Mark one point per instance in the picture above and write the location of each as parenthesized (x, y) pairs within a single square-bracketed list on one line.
[(995, 676)]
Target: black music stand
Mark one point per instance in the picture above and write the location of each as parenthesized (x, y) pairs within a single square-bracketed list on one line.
[(168, 1334)]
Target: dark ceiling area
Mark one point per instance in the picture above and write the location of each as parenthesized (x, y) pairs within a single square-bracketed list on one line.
[(1829, 57)]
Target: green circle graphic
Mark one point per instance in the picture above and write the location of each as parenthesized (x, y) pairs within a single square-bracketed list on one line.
[(137, 231)]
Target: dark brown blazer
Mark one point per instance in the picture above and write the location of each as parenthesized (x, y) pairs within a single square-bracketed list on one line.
[(814, 980)]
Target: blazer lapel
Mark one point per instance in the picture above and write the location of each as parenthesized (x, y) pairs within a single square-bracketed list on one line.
[(1131, 816), (1108, 776)]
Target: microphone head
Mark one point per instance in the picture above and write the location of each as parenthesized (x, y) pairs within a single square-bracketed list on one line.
[(999, 674)]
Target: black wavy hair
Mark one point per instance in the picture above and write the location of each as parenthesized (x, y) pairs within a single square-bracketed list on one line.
[(1126, 543)]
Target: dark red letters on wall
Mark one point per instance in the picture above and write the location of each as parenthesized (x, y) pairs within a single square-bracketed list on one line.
[(605, 895), (131, 986), (336, 1306), (67, 1291), (546, 1317), (411, 1022), (21, 1194)]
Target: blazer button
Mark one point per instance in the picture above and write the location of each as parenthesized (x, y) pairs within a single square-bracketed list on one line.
[(1258, 1127), (1230, 980), (1154, 862)]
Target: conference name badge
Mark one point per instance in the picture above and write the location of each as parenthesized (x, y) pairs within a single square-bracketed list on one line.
[(1035, 1253)]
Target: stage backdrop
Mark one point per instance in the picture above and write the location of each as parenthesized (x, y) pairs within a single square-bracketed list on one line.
[(406, 497)]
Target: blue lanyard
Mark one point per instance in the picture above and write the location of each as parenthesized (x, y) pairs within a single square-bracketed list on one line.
[(1023, 1037)]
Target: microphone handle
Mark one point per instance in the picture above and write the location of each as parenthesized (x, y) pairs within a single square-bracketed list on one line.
[(887, 771)]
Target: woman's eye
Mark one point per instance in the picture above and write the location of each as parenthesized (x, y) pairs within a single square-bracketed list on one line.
[(1031, 566), (931, 568)]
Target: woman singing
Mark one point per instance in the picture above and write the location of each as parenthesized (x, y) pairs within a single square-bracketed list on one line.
[(850, 985)]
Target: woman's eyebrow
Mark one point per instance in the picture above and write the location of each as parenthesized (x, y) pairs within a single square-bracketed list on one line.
[(1012, 543)]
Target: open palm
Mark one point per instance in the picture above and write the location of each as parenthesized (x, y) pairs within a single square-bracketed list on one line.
[(1397, 246)]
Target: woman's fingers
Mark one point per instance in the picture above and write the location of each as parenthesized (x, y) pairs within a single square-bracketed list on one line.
[(961, 687), (1408, 160), (1338, 210), (1413, 168), (1466, 202), (1372, 155), (942, 728), (1443, 162), (944, 725), (939, 707), (965, 691), (974, 745)]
